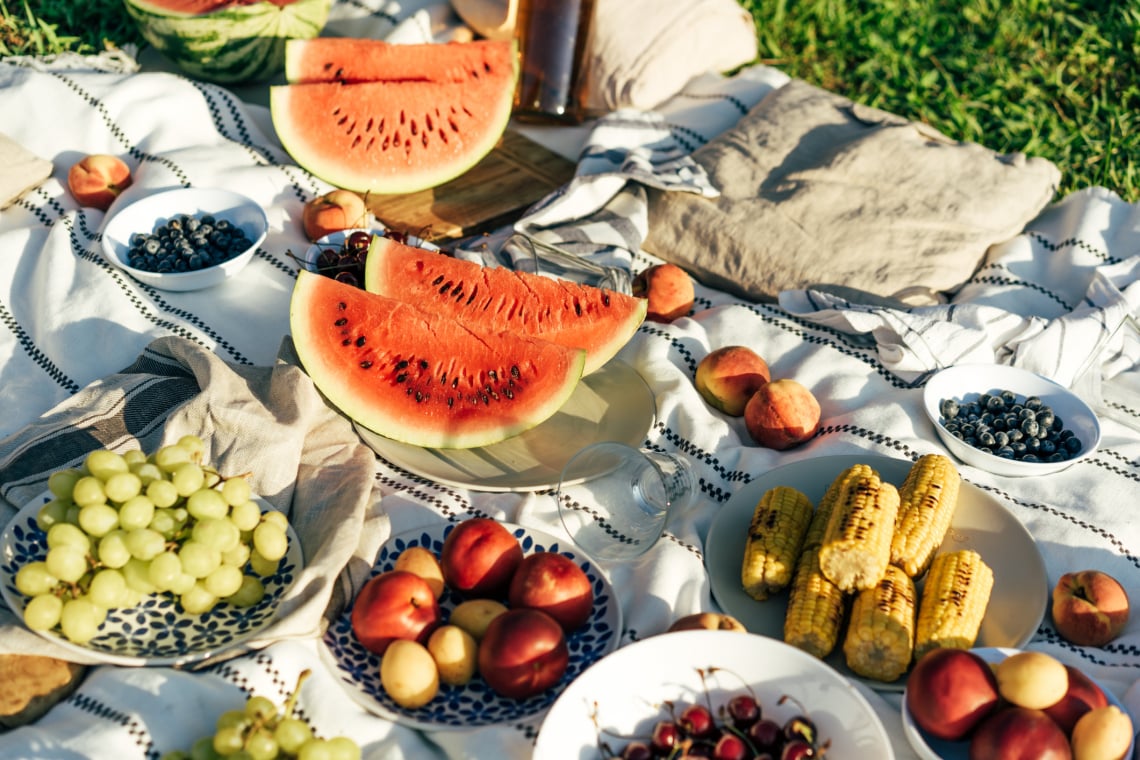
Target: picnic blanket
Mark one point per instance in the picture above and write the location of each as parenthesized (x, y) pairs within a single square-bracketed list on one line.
[(72, 321)]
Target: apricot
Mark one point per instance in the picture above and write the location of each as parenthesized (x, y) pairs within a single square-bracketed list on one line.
[(98, 179), (1033, 680), (1090, 608), (730, 375), (332, 212), (409, 674), (782, 414), (455, 652), (474, 615), (1102, 734), (669, 290), (421, 561)]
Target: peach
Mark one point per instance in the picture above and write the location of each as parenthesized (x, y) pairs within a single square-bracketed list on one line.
[(730, 375), (1090, 608), (782, 414), (707, 621), (96, 180), (669, 290), (332, 212)]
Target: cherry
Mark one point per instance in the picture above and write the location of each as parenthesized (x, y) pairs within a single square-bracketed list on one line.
[(743, 711), (636, 751), (665, 736), (731, 747), (696, 721), (766, 735), (797, 749), (800, 727), (358, 241)]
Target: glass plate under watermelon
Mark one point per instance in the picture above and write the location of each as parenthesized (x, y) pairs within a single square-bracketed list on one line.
[(474, 704)]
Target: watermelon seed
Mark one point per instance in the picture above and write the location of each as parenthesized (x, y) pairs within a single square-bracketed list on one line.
[(445, 288), (453, 125), (578, 308), (423, 139), (492, 374), (355, 141), (415, 127), (360, 341), (403, 117), (371, 142), (345, 342), (437, 280), (340, 122), (443, 136), (424, 364), (455, 382), (429, 123), (468, 112), (366, 364), (515, 371), (341, 306), (401, 377), (341, 322), (419, 397), (486, 67), (486, 401), (396, 139), (443, 378), (450, 402), (606, 299), (380, 127), (370, 123), (384, 145), (508, 393), (336, 110), (402, 364)]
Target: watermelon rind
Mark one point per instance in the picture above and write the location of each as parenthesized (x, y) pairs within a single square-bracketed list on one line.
[(424, 378), (577, 315), (392, 137), (234, 44)]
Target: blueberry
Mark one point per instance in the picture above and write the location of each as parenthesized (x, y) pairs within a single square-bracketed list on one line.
[(1072, 444), (1030, 427)]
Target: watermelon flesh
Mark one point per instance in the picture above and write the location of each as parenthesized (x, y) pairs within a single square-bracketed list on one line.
[(348, 59), (500, 299), (424, 378)]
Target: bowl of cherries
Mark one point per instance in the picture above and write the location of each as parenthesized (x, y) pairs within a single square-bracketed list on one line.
[(342, 255)]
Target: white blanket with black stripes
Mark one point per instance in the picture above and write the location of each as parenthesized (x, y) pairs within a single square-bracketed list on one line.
[(68, 318)]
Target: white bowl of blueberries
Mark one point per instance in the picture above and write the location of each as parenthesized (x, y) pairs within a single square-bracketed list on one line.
[(187, 238), (1010, 421)]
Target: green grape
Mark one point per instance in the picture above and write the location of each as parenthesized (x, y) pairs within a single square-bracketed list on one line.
[(188, 477), (80, 620), (229, 740), (224, 581), (164, 570), (147, 472), (103, 463), (34, 579), (246, 515), (162, 493), (212, 478), (262, 566), (199, 559), (134, 457), (122, 486), (112, 550), (277, 518), (206, 503), (66, 534), (343, 748), (291, 734), (251, 592), (233, 718), (89, 490), (169, 457), (236, 491), (194, 445), (198, 600), (72, 515), (261, 745), (97, 520), (270, 541), (53, 512), (136, 512), (183, 583), (316, 749), (108, 589), (163, 521), (42, 612), (260, 708), (217, 532), (66, 562), (144, 543), (61, 483), (133, 598), (203, 749), (137, 574), (237, 556)]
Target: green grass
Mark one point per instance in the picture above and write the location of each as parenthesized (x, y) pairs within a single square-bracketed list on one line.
[(1058, 79)]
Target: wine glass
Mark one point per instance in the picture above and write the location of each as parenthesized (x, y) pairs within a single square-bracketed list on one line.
[(614, 499)]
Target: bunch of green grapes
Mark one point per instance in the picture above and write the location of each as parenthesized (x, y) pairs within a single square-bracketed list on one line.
[(261, 731), (124, 526)]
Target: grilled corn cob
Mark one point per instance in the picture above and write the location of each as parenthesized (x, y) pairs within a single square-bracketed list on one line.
[(856, 546), (818, 523), (927, 499), (880, 635), (815, 608), (954, 599), (775, 538)]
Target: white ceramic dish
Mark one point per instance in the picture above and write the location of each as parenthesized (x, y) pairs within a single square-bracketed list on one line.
[(145, 214), (625, 694), (931, 748), (474, 704), (982, 523), (156, 632), (611, 404), (968, 381)]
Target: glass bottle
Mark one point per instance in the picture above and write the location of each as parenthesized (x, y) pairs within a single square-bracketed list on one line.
[(553, 38)]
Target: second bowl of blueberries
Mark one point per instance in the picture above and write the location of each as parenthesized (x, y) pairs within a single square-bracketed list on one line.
[(1008, 420), (187, 238)]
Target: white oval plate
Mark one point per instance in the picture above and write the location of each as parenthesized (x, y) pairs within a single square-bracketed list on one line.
[(931, 748), (968, 381), (156, 632), (981, 522), (625, 694), (474, 704)]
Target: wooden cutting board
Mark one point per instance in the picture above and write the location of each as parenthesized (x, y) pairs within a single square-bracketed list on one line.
[(494, 192)]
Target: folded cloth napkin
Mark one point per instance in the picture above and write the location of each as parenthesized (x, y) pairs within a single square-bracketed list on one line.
[(303, 457), (818, 189), (20, 170)]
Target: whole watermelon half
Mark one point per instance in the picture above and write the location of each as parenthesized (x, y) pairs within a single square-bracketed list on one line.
[(228, 41)]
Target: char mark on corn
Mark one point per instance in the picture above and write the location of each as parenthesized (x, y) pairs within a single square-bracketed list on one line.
[(856, 548), (954, 600), (775, 538), (927, 500)]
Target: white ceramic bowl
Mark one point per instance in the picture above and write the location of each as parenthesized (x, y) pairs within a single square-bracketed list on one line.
[(145, 214), (931, 748), (966, 382), (336, 240)]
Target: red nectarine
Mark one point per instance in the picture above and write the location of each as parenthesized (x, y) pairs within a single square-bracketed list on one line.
[(478, 558), (394, 605), (555, 584), (1018, 733), (96, 180), (1083, 695), (523, 653), (1090, 608), (949, 691)]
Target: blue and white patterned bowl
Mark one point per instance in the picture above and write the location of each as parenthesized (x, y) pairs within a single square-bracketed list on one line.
[(156, 632), (474, 704)]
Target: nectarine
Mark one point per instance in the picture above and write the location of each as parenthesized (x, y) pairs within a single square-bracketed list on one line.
[(1083, 695), (669, 290), (394, 605), (478, 558), (555, 584), (1018, 733), (334, 211), (729, 376), (523, 653), (949, 691), (1090, 608), (96, 180), (781, 414)]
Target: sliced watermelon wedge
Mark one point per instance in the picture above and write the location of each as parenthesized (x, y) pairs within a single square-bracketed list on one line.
[(421, 377), (500, 299)]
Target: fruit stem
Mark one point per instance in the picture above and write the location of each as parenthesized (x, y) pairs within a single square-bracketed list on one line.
[(291, 702)]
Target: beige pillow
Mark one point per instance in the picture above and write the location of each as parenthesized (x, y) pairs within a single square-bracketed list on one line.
[(816, 189)]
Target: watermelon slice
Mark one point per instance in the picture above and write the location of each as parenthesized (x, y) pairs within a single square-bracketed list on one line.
[(424, 378), (395, 136), (350, 59), (500, 299)]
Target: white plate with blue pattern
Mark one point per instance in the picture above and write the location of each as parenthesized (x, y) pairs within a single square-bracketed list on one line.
[(156, 632), (474, 704)]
